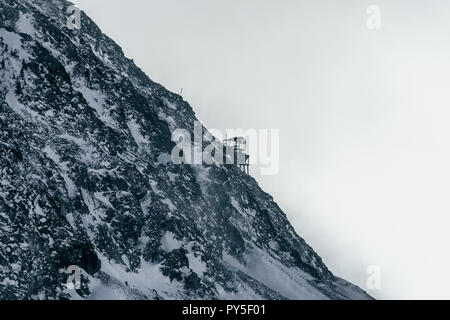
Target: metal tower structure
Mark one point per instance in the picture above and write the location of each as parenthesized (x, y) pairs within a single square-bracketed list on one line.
[(235, 148)]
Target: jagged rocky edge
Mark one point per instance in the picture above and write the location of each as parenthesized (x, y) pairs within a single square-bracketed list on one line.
[(195, 232)]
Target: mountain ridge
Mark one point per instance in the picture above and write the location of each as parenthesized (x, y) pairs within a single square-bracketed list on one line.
[(86, 180)]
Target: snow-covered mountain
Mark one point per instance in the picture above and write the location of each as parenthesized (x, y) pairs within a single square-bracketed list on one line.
[(86, 179)]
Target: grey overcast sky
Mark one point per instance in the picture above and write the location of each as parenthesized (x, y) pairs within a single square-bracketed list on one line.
[(364, 164)]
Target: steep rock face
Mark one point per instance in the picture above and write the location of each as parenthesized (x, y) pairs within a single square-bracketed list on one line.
[(86, 179)]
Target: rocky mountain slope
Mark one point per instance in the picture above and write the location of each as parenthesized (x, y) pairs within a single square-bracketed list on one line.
[(86, 179)]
